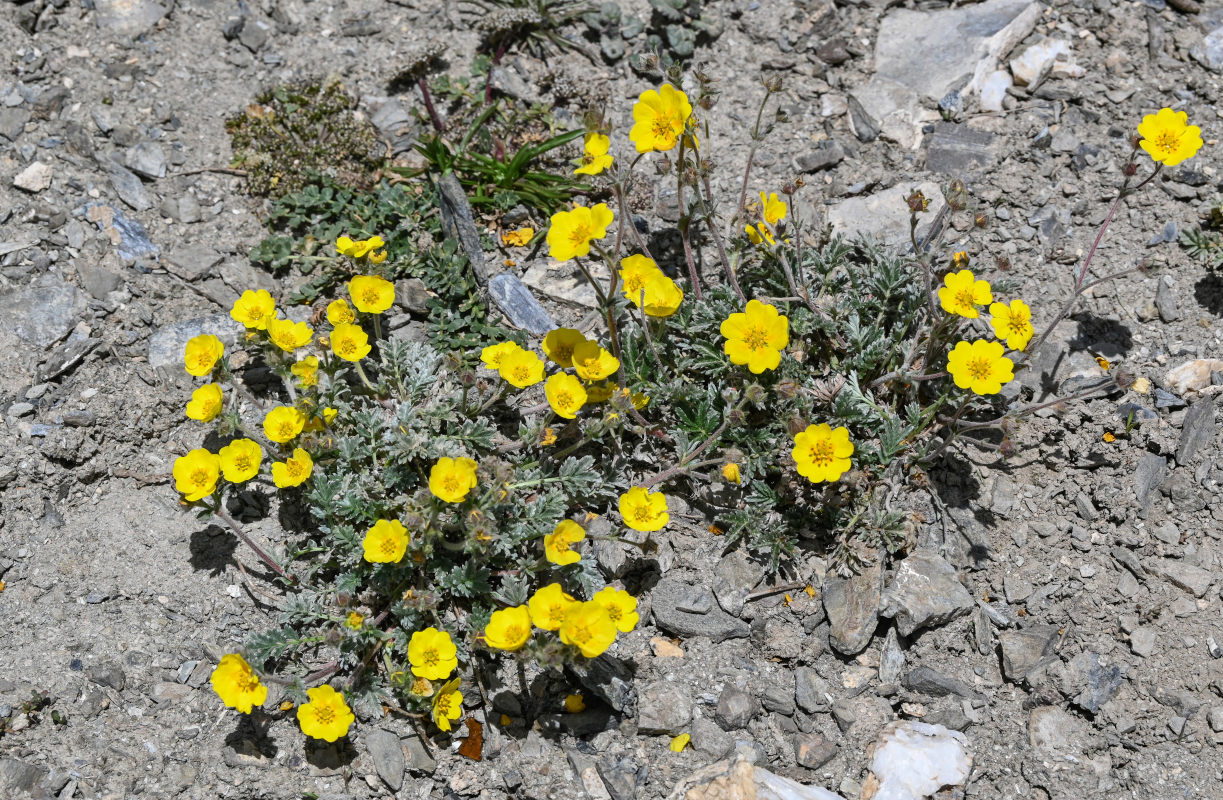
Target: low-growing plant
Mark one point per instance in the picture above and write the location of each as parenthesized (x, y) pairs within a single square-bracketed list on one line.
[(1205, 241), (441, 507)]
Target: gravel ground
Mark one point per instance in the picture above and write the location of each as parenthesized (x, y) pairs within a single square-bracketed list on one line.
[(1061, 608)]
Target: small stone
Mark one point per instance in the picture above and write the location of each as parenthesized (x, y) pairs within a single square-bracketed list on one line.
[(1187, 576), (13, 122), (129, 18), (419, 760), (147, 160), (810, 690), (192, 262), (387, 753), (42, 315), (608, 678), (1099, 682), (1142, 641), (519, 305), (664, 648), (1192, 376), (994, 90), (852, 607), (619, 778), (1216, 718), (735, 709), (956, 149), (98, 282), (166, 692), (1148, 477), (826, 154), (1165, 301), (1037, 61), (709, 739), (1210, 52), (19, 777), (812, 750), (1025, 650), (833, 105), (668, 600), (1197, 431), (1015, 588), (934, 683), (129, 188), (891, 659), (34, 178), (1052, 730), (915, 760), (412, 295), (663, 707), (254, 35), (733, 580), (777, 699), (925, 593)]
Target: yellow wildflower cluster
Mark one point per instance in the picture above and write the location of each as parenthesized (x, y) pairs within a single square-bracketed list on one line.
[(567, 348), (981, 366), (590, 627), (371, 249), (772, 211), (647, 287)]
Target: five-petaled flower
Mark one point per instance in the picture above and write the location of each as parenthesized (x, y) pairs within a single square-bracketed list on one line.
[(822, 452), (371, 294), (306, 370), (254, 309), (558, 345), (659, 119), (1168, 137), (289, 335), (340, 313), (1012, 323), (756, 336), (236, 683), (565, 394), (521, 368), (772, 209), (644, 510), (350, 342), (980, 366), (495, 354), (447, 704), (620, 605), (595, 158), (573, 231), (196, 474), (202, 353), (385, 542), (240, 460), (283, 423), (592, 363), (961, 293), (588, 627), (361, 248), (205, 403), (558, 545), (451, 479), (548, 606), (293, 471), (432, 654), (326, 716), (508, 628)]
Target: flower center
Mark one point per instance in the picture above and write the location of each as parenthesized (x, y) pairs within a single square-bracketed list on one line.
[(387, 547), (324, 714), (964, 298), (581, 634), (822, 453), (347, 346), (200, 477), (521, 373), (561, 544), (247, 682), (1167, 141), (515, 633), (580, 235), (443, 705), (756, 338), (614, 613), (667, 126), (556, 611), (642, 513), (370, 296), (979, 368), (564, 399), (243, 462), (430, 658)]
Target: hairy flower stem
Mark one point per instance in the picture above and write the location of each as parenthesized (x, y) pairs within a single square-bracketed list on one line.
[(428, 98), (731, 277), (684, 222), (649, 340), (751, 153), (621, 188), (263, 555)]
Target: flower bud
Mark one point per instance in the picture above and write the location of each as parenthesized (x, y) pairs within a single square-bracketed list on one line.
[(754, 394), (981, 220), (467, 378), (786, 388), (773, 83), (333, 637), (1130, 169), (736, 416), (707, 101), (795, 425), (701, 76), (342, 599), (663, 165), (789, 188), (1004, 264), (917, 202)]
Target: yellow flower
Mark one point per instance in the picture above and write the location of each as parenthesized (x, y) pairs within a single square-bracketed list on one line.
[(547, 437), (621, 607), (572, 231), (421, 687), (237, 684), (349, 342), (518, 238), (522, 368), (202, 354), (205, 403), (292, 471), (326, 716), (589, 628), (659, 118), (565, 394), (358, 248), (494, 354), (452, 478), (756, 337), (354, 621), (432, 654), (548, 606), (283, 423), (592, 363), (306, 370), (196, 474), (959, 260), (600, 393), (559, 343), (289, 335), (730, 471), (662, 296), (240, 460), (772, 209), (508, 628), (980, 366), (1167, 136), (447, 705), (254, 309), (1012, 323), (371, 294), (377, 258), (680, 742), (558, 545), (822, 453), (575, 703), (385, 542), (339, 313), (635, 271), (644, 510), (962, 293), (758, 234), (595, 159)]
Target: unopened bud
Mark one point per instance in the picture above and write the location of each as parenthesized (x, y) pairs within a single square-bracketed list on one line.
[(736, 416), (773, 83), (730, 395), (788, 188), (662, 165), (1135, 141), (1004, 264), (707, 101), (333, 637), (795, 425), (342, 599), (1130, 169), (701, 76), (917, 202), (786, 388), (467, 378), (675, 74), (754, 394), (981, 220)]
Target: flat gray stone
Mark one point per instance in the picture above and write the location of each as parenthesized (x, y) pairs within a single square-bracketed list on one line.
[(670, 597), (147, 160), (1143, 641), (192, 262), (885, 215), (932, 682), (852, 606), (663, 707), (519, 305), (166, 346), (809, 690), (419, 760), (958, 149), (458, 223), (733, 580), (1210, 52), (608, 678), (1197, 431), (18, 776), (12, 122), (129, 187), (128, 18), (891, 659), (42, 315), (1027, 649), (1192, 579), (925, 593), (1095, 682), (98, 281), (387, 754), (827, 154), (1148, 477), (735, 709)]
